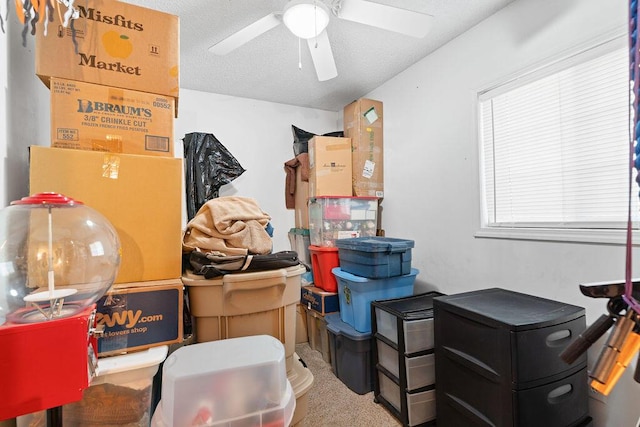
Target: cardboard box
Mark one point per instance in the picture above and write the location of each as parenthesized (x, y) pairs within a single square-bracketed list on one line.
[(317, 333), (329, 166), (140, 195), (301, 198), (319, 300), (363, 123), (140, 315), (118, 44), (87, 116), (301, 324)]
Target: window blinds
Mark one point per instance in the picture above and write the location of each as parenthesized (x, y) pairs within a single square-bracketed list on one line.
[(555, 150)]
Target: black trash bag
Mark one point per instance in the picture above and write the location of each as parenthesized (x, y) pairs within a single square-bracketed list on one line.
[(301, 139), (208, 166)]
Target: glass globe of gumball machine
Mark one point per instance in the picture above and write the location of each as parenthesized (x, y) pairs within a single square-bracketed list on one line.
[(57, 258)]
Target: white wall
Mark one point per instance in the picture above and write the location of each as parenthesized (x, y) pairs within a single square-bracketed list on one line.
[(4, 71), (259, 135), (432, 189), (24, 108)]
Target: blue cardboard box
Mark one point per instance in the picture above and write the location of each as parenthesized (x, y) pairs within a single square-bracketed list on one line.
[(140, 315), (319, 300)]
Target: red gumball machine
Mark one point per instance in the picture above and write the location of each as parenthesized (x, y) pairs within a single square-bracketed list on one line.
[(57, 258)]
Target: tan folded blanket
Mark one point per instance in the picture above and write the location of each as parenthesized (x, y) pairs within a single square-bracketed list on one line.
[(230, 225)]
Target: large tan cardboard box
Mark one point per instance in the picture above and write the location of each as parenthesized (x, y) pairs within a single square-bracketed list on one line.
[(140, 315), (329, 166), (118, 44), (88, 116), (139, 195), (363, 123)]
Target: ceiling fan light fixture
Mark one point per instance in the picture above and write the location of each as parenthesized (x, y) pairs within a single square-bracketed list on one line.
[(306, 18)]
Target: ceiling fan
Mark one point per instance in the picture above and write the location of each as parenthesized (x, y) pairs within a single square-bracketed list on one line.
[(308, 20)]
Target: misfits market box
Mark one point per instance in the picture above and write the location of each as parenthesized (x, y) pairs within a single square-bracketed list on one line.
[(112, 43), (140, 195), (140, 315), (94, 117), (363, 124)]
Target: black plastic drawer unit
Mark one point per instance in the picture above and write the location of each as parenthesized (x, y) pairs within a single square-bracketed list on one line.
[(404, 358), (497, 357)]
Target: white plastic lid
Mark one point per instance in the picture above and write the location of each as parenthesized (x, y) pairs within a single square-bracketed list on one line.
[(130, 361)]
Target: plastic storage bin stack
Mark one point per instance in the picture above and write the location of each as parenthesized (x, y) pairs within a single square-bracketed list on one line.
[(372, 268), (247, 304), (404, 358), (237, 381), (120, 394), (351, 354)]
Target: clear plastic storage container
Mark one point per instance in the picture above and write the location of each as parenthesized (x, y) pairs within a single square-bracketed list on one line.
[(332, 218), (239, 381)]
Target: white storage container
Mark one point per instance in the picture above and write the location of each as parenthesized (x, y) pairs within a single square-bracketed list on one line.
[(230, 379), (119, 395), (280, 415)]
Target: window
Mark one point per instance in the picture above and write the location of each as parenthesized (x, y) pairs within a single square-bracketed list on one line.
[(554, 145)]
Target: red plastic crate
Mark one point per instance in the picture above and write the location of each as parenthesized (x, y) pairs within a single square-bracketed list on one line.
[(322, 261)]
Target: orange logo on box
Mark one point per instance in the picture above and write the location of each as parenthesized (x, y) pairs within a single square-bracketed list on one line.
[(117, 45)]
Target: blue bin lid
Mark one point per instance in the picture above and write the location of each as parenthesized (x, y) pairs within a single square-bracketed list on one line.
[(340, 273), (414, 307), (375, 244), (336, 326)]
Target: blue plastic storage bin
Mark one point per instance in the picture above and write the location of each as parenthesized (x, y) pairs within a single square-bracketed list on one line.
[(375, 257), (351, 354), (356, 293)]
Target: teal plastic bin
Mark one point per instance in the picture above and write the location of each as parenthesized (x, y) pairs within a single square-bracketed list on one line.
[(375, 257), (356, 293)]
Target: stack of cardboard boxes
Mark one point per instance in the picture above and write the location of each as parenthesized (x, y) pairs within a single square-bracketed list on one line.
[(113, 80), (346, 177)]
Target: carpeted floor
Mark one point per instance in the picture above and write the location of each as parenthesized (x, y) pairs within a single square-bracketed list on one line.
[(332, 404)]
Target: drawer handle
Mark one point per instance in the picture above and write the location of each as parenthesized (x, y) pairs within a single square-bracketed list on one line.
[(559, 394), (559, 338)]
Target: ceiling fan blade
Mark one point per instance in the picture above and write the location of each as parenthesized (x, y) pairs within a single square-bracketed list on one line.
[(322, 57), (246, 34), (390, 18)]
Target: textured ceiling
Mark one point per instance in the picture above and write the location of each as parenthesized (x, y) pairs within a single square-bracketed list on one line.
[(266, 68)]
